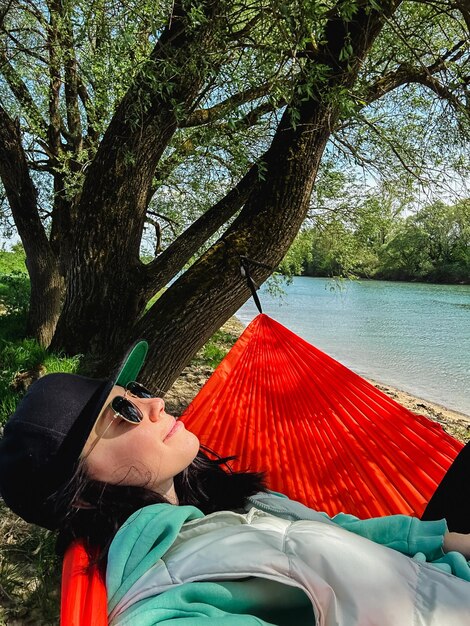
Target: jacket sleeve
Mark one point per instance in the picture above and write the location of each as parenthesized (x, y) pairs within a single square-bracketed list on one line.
[(418, 539), (405, 534), (153, 616)]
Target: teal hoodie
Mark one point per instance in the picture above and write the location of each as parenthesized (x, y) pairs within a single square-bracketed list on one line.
[(143, 541)]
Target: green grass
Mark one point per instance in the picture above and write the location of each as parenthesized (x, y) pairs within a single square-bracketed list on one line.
[(14, 292), (13, 261), (212, 353), (29, 569), (14, 283), (22, 361)]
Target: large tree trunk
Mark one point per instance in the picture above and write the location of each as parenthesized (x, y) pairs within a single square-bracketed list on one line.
[(47, 286), (107, 284), (46, 281), (106, 280), (213, 288)]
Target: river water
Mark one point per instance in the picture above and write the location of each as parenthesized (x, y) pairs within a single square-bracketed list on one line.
[(413, 336)]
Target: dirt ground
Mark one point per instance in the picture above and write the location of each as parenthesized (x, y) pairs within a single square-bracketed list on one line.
[(457, 424)]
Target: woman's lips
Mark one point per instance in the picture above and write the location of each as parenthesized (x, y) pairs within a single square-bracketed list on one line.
[(176, 426)]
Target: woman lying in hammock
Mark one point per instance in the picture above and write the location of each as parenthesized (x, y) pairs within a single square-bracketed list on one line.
[(186, 540)]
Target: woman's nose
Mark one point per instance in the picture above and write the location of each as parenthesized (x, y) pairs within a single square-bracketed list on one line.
[(155, 407)]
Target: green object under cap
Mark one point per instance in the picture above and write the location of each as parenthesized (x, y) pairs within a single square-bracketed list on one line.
[(132, 364)]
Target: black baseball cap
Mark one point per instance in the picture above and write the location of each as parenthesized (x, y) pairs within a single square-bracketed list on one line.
[(43, 439)]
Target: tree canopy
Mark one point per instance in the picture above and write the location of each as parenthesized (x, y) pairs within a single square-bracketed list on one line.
[(381, 239), (194, 131)]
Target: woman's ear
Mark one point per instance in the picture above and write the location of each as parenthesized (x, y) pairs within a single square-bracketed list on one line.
[(78, 503)]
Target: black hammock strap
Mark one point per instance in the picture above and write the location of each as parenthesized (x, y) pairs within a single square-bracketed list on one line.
[(245, 263)]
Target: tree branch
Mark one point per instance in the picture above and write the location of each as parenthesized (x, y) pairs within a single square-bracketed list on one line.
[(71, 81), (4, 10), (248, 27), (15, 175), (42, 266), (158, 234), (350, 149), (33, 10), (92, 134), (406, 74), (272, 214), (207, 116), (392, 147), (253, 116), (464, 7), (21, 93), (165, 266), (146, 120), (165, 218), (200, 138), (21, 48), (53, 44)]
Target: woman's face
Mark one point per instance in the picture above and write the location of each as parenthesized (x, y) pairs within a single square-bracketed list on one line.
[(148, 454)]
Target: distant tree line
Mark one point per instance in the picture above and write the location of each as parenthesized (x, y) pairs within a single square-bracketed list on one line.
[(377, 241)]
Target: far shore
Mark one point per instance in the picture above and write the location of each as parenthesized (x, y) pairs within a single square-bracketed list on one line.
[(194, 376)]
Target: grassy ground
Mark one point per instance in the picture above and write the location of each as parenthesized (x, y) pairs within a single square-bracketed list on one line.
[(29, 573)]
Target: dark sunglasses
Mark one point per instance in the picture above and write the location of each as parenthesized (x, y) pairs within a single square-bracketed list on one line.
[(125, 408)]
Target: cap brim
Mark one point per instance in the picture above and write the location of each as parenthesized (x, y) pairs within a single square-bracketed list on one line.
[(132, 364), (129, 371)]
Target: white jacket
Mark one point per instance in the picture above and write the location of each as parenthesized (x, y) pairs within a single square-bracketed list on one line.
[(349, 580)]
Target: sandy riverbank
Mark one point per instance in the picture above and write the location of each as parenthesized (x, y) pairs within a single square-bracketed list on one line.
[(194, 377), (457, 424)]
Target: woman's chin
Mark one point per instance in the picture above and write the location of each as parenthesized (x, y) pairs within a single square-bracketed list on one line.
[(186, 441)]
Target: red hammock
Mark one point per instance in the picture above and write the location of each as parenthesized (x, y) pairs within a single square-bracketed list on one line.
[(323, 434)]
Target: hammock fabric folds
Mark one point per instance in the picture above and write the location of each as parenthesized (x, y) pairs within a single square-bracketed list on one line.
[(325, 436), (83, 592)]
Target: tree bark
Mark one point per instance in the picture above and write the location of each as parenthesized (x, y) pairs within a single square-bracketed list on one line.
[(171, 260), (107, 285), (213, 289), (106, 278), (46, 281)]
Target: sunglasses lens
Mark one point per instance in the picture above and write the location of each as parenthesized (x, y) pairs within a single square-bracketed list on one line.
[(126, 410), (138, 390)]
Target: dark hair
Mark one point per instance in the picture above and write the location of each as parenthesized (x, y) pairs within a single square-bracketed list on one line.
[(204, 484)]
